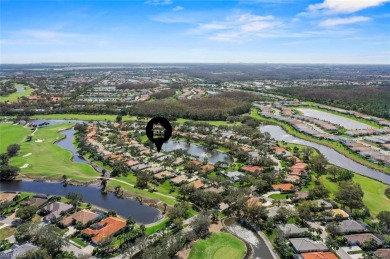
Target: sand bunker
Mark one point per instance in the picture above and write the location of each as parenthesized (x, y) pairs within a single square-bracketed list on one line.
[(39, 140), (23, 166), (26, 155)]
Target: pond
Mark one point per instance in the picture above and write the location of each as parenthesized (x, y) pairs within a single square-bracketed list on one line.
[(202, 153), (260, 249), (333, 156), (335, 119), (124, 207), (20, 89)]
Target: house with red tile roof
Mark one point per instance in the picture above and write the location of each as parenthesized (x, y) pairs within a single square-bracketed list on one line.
[(196, 162), (104, 229), (251, 169), (196, 184), (207, 168), (319, 255), (283, 187), (254, 201)]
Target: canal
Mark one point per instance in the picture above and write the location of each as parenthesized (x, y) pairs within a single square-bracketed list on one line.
[(334, 157)]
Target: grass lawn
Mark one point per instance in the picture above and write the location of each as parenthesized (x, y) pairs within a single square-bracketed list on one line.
[(79, 241), (156, 227), (48, 159), (11, 134), (13, 97), (374, 197), (280, 196), (7, 232), (86, 117), (335, 145), (218, 245), (145, 193)]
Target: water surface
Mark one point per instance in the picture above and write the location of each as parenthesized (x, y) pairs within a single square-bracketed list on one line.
[(124, 207), (333, 156), (335, 119), (202, 153)]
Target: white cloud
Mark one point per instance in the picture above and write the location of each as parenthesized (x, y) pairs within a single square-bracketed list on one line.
[(236, 27), (177, 8), (343, 6), (159, 2), (342, 21)]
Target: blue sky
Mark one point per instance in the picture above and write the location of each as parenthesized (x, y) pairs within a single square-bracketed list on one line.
[(252, 31)]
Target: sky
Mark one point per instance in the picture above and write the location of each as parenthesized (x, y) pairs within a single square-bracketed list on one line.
[(214, 31)]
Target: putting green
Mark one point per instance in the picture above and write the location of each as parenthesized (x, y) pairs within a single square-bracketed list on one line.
[(48, 159), (218, 245), (11, 134)]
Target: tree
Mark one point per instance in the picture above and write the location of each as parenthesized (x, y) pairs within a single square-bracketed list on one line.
[(142, 180), (27, 212), (350, 195), (318, 164), (345, 175), (318, 192), (200, 225), (13, 149), (119, 118), (103, 184), (305, 210), (334, 171), (4, 158), (34, 254), (370, 245), (333, 229), (282, 215), (384, 220), (8, 173)]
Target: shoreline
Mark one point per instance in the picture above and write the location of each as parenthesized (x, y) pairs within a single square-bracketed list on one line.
[(270, 121)]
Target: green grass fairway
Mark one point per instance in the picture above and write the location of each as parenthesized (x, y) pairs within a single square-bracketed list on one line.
[(13, 97), (11, 134), (374, 193), (221, 245), (48, 159), (86, 117)]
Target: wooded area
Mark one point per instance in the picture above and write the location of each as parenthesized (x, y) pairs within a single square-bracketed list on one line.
[(369, 100)]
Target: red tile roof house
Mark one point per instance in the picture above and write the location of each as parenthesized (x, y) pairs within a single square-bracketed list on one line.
[(254, 201), (104, 229), (207, 168), (251, 169), (83, 216), (284, 187)]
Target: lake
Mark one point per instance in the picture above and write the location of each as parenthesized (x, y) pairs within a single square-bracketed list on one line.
[(332, 118), (333, 156), (213, 156), (124, 207)]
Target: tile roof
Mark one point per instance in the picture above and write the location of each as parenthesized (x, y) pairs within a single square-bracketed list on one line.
[(352, 226), (383, 253), (7, 196), (360, 238), (196, 184), (307, 245), (319, 255), (55, 209), (254, 201), (83, 216), (251, 169), (283, 187), (109, 226)]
